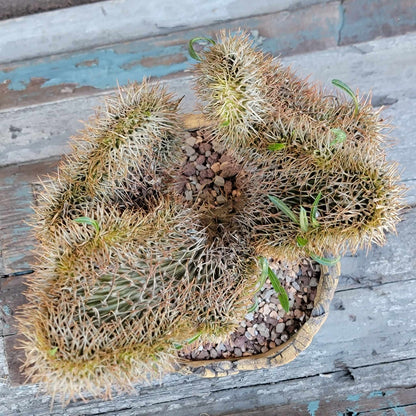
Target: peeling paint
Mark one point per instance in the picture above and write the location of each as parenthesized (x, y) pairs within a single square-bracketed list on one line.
[(313, 407), (354, 397), (7, 310)]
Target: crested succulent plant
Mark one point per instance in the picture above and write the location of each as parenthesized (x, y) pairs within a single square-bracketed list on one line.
[(128, 269), (121, 157), (108, 302), (304, 142), (125, 272), (231, 80)]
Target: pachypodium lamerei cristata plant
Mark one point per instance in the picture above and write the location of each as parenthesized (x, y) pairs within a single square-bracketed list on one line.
[(128, 271), (304, 142)]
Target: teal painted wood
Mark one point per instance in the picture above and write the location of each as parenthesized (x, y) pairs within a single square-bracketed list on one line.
[(53, 77)]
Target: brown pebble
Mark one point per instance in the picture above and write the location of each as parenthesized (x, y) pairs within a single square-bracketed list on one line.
[(206, 174), (228, 169), (221, 199), (204, 147), (190, 141), (228, 187), (200, 160), (216, 167), (189, 169)]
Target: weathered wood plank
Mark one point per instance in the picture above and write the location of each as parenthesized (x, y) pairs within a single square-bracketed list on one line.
[(393, 262), (16, 241), (31, 134), (215, 397), (59, 76), (110, 22), (400, 401), (376, 18)]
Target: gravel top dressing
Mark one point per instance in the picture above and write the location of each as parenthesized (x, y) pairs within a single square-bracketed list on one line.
[(268, 326), (210, 176)]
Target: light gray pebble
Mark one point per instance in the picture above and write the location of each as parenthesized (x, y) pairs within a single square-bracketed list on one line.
[(200, 167), (249, 336), (296, 286), (238, 352), (280, 327), (189, 150), (313, 282), (263, 330), (188, 195), (249, 316), (213, 353), (190, 141), (193, 157), (219, 181)]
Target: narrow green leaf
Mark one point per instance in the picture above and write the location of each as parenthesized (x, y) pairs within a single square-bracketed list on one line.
[(349, 91), (194, 338), (191, 49), (301, 241), (89, 221), (340, 136), (264, 268), (314, 211), (177, 346), (324, 260), (284, 208), (303, 220), (225, 123), (281, 292), (254, 306), (53, 351), (276, 146), (284, 301)]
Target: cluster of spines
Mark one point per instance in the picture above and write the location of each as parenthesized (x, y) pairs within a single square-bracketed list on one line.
[(124, 271), (306, 142)]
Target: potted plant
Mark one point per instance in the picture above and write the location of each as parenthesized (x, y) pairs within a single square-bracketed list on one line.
[(156, 235)]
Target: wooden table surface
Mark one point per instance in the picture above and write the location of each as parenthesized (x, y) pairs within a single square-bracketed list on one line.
[(363, 360)]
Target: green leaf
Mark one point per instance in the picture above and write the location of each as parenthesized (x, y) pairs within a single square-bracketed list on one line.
[(301, 241), (314, 211), (276, 146), (303, 220), (194, 338), (254, 306), (284, 208), (264, 268), (349, 91), (53, 351), (225, 123), (191, 49), (324, 260), (340, 136), (277, 286), (89, 221)]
